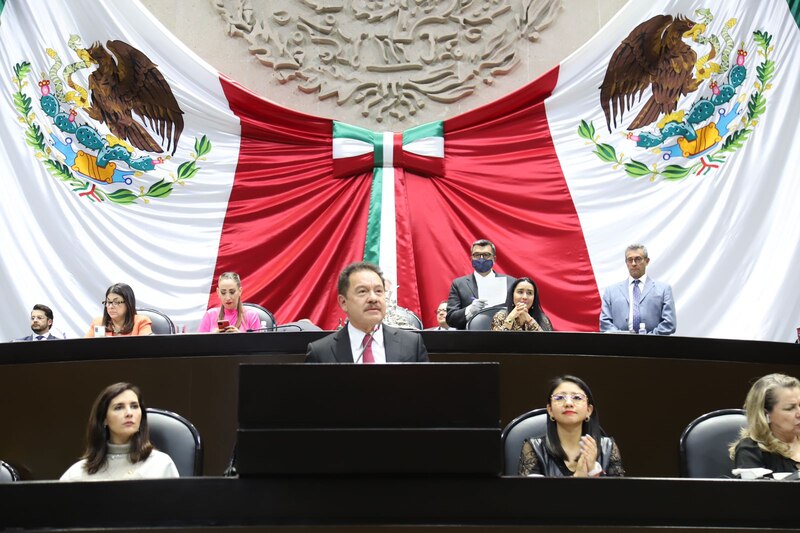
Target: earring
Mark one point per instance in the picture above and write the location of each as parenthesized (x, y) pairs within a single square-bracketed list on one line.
[(768, 421), (552, 418), (588, 418)]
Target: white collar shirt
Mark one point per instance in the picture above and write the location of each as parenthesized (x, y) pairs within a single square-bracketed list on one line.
[(357, 337)]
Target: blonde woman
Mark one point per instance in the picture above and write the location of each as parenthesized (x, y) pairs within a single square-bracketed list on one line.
[(772, 436), (230, 317)]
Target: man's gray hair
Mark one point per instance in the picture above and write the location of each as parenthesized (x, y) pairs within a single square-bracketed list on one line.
[(633, 247)]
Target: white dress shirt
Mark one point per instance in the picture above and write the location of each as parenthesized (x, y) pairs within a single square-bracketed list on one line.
[(357, 337)]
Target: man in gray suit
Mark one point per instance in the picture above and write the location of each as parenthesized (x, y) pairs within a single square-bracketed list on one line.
[(41, 322), (365, 339), (466, 300), (638, 300)]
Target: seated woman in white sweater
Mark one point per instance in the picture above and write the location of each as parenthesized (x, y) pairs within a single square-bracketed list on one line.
[(118, 441)]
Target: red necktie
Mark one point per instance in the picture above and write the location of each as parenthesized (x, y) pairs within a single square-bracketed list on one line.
[(367, 357)]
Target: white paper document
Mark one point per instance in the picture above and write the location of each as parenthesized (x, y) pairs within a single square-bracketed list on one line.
[(494, 291)]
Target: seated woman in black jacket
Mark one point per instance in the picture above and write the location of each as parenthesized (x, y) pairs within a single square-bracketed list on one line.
[(573, 445), (772, 436)]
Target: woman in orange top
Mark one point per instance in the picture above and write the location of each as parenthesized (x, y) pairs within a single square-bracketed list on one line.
[(119, 314)]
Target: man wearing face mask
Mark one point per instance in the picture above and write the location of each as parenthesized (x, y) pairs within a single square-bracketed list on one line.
[(466, 299)]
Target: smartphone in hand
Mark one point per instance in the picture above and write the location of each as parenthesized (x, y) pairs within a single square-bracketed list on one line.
[(222, 325)]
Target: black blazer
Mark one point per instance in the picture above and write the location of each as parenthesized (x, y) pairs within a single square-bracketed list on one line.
[(462, 292), (552, 467), (748, 455), (400, 346)]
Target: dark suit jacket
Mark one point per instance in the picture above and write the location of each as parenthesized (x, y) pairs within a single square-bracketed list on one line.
[(49, 337), (462, 292), (400, 346)]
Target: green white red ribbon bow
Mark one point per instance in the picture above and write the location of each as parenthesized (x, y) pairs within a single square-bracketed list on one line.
[(357, 150)]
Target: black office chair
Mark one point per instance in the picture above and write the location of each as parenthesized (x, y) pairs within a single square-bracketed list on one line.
[(7, 473), (483, 320), (704, 444), (527, 425), (265, 318), (298, 325), (178, 438), (162, 324)]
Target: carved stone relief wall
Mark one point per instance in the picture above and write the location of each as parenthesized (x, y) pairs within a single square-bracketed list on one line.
[(389, 58), (299, 68)]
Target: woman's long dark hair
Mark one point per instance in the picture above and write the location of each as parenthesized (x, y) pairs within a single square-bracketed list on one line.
[(124, 290), (592, 427), (536, 309), (97, 434)]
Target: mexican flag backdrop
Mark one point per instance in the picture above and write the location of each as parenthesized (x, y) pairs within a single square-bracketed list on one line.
[(125, 157)]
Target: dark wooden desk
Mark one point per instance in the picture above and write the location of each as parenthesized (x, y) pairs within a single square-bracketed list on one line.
[(647, 389), (370, 503)]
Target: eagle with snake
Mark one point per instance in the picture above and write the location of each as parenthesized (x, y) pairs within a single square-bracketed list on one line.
[(653, 56), (127, 83)]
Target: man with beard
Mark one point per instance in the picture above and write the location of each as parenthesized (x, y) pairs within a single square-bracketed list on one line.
[(41, 322)]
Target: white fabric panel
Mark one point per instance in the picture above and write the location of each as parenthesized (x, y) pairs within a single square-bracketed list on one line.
[(388, 255), (345, 147), (427, 146), (728, 241), (63, 250)]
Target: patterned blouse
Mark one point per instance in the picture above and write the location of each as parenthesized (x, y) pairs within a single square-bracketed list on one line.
[(499, 323)]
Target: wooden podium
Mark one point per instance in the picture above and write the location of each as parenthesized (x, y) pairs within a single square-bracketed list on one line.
[(390, 419)]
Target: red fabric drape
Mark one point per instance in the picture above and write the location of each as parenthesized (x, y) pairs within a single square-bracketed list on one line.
[(503, 181), (291, 226)]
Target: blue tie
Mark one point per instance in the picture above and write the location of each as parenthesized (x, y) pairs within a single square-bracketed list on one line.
[(637, 317), (39, 337)]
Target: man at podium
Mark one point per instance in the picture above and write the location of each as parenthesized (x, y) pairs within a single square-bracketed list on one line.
[(365, 339)]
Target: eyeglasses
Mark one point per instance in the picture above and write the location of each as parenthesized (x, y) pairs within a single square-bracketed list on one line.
[(486, 255), (112, 303), (634, 260), (576, 397)]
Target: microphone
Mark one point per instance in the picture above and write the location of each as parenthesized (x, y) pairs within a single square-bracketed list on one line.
[(277, 327)]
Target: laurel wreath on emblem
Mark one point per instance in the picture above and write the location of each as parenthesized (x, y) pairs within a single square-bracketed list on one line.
[(98, 159), (676, 134)]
